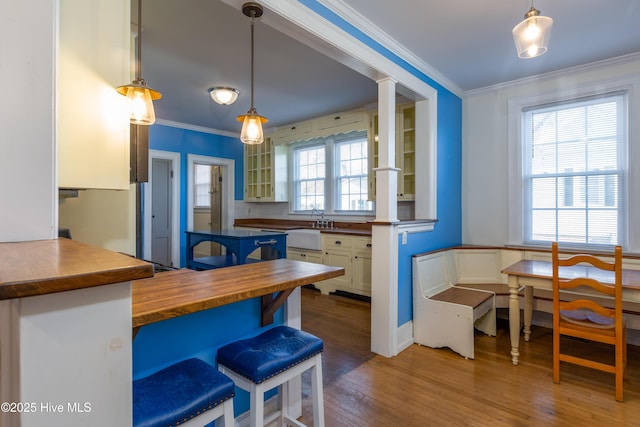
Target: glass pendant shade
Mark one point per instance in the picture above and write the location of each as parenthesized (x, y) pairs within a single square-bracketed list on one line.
[(224, 95), (252, 127), (140, 96), (141, 99), (531, 36)]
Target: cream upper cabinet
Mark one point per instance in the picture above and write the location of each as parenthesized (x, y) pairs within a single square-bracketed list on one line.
[(322, 126), (94, 57), (405, 151), (265, 172)]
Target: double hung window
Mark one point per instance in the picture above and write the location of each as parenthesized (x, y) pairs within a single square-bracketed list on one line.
[(330, 174), (574, 171)]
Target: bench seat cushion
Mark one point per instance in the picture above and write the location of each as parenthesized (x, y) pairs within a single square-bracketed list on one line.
[(270, 353), (178, 393)]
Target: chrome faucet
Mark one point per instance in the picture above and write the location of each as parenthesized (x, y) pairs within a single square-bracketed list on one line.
[(320, 222)]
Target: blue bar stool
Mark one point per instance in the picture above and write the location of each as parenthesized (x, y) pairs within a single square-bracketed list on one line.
[(270, 360), (188, 393)]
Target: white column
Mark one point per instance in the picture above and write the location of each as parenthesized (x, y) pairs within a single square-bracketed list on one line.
[(384, 283), (384, 290), (386, 172)]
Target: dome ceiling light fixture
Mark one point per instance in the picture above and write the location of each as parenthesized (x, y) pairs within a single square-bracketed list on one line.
[(140, 96), (224, 95), (252, 122), (532, 35)]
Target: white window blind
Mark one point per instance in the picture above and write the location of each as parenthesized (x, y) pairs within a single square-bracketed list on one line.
[(574, 172), (351, 176)]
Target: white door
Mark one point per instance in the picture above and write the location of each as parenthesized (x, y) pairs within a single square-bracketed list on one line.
[(161, 218)]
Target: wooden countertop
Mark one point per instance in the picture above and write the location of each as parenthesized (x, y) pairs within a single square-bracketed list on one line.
[(176, 293), (48, 266), (544, 270), (340, 227)]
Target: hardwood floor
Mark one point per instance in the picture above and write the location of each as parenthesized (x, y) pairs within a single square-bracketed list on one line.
[(437, 387)]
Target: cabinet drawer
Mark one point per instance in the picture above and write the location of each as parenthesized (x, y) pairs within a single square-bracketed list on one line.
[(362, 244), (336, 241)]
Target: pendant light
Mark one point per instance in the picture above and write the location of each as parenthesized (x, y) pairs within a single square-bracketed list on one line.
[(532, 35), (140, 96), (252, 122)]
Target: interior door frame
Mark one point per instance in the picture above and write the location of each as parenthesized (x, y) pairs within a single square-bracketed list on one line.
[(228, 187), (174, 158)]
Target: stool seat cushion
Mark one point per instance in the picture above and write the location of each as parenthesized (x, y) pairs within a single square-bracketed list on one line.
[(178, 393), (270, 353)]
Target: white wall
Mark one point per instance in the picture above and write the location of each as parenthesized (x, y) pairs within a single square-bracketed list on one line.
[(28, 186), (104, 218), (485, 161)]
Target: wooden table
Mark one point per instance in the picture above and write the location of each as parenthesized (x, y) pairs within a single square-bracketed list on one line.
[(239, 244), (532, 274), (176, 293)]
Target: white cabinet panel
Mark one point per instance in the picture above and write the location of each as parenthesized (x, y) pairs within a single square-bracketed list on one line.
[(93, 125)]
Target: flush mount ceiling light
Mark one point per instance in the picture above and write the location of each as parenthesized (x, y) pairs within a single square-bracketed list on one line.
[(140, 96), (252, 122), (224, 95), (532, 35)]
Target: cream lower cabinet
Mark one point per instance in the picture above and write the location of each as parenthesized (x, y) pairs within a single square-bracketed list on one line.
[(353, 253), (307, 255)]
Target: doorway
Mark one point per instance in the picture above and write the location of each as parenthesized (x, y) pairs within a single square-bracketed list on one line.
[(161, 235), (207, 210), (161, 202), (219, 192)]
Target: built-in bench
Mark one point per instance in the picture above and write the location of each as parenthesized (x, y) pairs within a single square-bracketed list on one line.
[(479, 267), (456, 291)]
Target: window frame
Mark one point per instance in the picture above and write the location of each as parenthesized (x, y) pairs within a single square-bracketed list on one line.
[(627, 238), (529, 176), (330, 144)]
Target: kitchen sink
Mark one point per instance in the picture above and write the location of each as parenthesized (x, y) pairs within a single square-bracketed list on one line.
[(304, 238)]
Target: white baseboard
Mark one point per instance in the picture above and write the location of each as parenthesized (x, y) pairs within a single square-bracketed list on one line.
[(405, 336)]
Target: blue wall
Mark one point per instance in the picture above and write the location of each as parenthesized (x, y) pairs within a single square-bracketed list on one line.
[(185, 142), (448, 229)]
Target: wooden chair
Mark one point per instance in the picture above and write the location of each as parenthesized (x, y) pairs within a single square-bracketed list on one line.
[(585, 317)]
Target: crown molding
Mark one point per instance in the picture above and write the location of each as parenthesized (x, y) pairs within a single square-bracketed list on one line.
[(592, 66)]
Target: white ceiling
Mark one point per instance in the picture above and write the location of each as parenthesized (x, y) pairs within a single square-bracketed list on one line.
[(191, 45)]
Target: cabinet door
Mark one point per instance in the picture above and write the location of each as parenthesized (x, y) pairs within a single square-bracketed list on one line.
[(93, 123), (251, 170), (340, 259), (406, 152), (372, 137), (265, 172), (362, 273)]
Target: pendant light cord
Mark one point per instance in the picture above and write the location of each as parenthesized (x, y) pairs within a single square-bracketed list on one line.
[(139, 44), (253, 15)]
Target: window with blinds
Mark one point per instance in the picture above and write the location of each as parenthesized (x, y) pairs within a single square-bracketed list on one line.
[(574, 171)]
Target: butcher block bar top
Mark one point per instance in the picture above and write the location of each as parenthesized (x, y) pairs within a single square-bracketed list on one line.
[(48, 266), (176, 293)]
